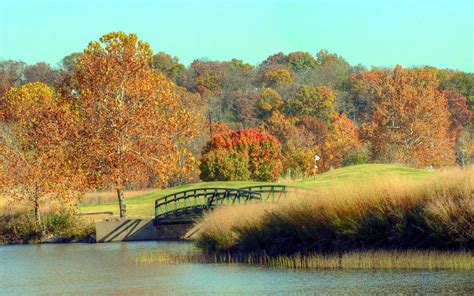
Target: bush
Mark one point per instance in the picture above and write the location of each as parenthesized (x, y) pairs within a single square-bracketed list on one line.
[(242, 155), (360, 155), (63, 226), (18, 227)]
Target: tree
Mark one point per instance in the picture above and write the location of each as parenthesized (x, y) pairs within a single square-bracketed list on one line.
[(37, 149), (206, 77), (270, 100), (410, 122), (133, 121), (242, 155), (301, 140), (460, 117), (41, 72), (69, 62), (274, 60), (169, 66), (331, 71), (343, 137), (300, 61), (235, 99), (313, 101), (12, 74), (276, 77)]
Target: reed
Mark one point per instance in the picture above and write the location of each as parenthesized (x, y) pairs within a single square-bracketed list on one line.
[(427, 260), (393, 213)]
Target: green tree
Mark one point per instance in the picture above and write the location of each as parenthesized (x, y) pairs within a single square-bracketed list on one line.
[(300, 61), (169, 65), (312, 101)]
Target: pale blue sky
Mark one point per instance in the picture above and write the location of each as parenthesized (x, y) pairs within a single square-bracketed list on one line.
[(379, 33)]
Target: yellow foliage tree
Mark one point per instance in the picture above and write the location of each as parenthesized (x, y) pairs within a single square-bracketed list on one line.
[(37, 139), (134, 123)]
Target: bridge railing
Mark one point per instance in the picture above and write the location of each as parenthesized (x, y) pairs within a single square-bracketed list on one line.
[(269, 192), (184, 205)]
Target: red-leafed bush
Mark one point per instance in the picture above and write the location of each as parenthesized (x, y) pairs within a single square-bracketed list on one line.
[(242, 155)]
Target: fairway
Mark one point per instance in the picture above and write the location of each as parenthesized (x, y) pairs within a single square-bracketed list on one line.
[(142, 206), (362, 174)]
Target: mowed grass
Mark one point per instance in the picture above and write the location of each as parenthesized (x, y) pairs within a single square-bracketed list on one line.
[(141, 204), (362, 174)]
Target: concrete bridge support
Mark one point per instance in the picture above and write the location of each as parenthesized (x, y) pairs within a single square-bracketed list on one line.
[(139, 230)]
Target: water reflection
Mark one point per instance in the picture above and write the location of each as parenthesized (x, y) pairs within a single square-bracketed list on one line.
[(112, 269)]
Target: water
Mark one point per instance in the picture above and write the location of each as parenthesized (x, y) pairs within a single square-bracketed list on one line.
[(111, 269)]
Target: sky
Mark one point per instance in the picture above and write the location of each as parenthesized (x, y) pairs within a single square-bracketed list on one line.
[(368, 32)]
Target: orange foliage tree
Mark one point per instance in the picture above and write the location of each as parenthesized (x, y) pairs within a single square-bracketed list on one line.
[(242, 155), (410, 121), (343, 138), (301, 139), (134, 123), (37, 139)]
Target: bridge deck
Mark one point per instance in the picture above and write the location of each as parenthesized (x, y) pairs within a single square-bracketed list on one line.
[(186, 206)]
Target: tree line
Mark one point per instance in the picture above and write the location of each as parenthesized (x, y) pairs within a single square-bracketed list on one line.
[(117, 116)]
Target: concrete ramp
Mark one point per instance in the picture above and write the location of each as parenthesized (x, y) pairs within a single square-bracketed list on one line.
[(138, 230)]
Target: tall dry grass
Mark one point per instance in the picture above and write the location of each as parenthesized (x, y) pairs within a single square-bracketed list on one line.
[(395, 213), (101, 197)]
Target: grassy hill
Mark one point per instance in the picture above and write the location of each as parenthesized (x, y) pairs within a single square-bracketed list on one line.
[(142, 204), (359, 174)]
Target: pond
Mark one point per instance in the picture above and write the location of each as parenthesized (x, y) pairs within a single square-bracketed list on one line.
[(112, 269)]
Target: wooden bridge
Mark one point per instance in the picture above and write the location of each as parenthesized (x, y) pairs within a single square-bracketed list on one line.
[(186, 206)]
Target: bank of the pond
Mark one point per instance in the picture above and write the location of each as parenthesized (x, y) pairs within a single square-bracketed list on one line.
[(396, 213), (60, 227), (410, 259)]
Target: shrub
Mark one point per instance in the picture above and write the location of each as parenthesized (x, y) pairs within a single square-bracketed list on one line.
[(242, 155), (20, 227), (360, 155)]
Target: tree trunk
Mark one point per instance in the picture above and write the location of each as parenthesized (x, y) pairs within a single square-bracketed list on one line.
[(122, 205), (38, 221), (37, 214)]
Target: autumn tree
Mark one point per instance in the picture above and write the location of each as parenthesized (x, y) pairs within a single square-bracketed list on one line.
[(217, 128), (301, 62), (274, 60), (461, 82), (312, 101), (410, 121), (41, 72), (301, 140), (205, 77), (331, 71), (69, 62), (37, 137), (133, 122), (12, 74), (342, 138), (276, 77), (269, 101), (460, 116), (242, 155), (169, 65)]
